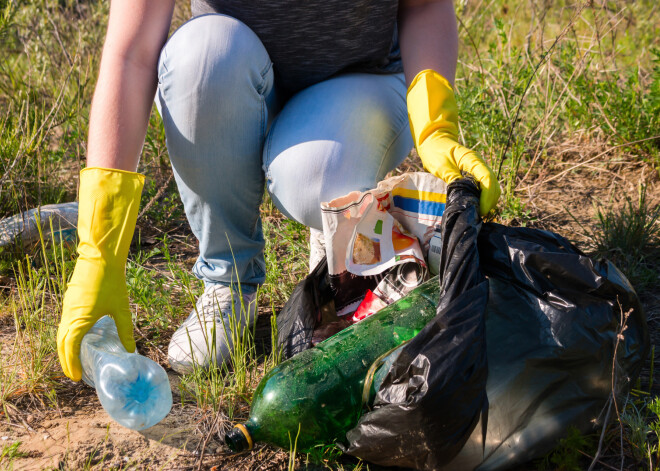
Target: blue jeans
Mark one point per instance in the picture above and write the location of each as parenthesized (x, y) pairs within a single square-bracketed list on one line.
[(230, 131)]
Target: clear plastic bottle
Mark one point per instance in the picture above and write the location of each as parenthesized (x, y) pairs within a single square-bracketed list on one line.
[(133, 390), (27, 227)]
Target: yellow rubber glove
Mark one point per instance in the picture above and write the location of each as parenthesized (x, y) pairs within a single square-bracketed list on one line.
[(107, 212), (433, 115)]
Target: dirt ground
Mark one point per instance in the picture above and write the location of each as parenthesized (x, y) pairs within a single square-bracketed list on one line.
[(81, 435), (85, 437)]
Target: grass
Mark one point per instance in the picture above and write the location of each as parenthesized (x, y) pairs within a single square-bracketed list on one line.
[(226, 386), (640, 418), (9, 453), (630, 238), (567, 455), (29, 369), (553, 95), (628, 234), (286, 255), (524, 88)]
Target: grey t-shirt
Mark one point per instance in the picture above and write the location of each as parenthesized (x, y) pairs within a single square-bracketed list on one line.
[(311, 40)]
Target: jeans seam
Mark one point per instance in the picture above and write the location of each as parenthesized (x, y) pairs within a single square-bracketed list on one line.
[(263, 73), (262, 125), (268, 147), (161, 63), (260, 91)]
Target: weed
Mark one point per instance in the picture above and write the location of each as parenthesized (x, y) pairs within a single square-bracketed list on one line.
[(239, 333), (286, 255), (218, 386), (569, 455), (30, 369), (43, 86), (641, 420), (7, 9), (11, 452), (325, 455), (293, 447), (514, 210), (151, 292), (628, 236), (654, 425), (331, 457), (207, 387), (205, 384), (275, 357)]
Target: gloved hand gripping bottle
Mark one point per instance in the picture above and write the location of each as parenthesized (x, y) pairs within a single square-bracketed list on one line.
[(322, 390), (133, 389)]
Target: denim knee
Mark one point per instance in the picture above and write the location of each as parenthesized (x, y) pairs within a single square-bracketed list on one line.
[(212, 54), (335, 137)]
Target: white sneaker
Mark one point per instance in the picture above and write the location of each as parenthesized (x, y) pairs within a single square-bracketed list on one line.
[(316, 248), (205, 337)]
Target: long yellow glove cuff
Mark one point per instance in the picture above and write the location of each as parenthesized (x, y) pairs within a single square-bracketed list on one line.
[(107, 213), (433, 115)]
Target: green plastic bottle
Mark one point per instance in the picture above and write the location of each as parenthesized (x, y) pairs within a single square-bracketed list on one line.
[(319, 392)]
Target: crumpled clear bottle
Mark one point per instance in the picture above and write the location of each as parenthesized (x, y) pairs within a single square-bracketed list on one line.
[(133, 390)]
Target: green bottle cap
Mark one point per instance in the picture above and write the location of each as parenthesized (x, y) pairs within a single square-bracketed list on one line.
[(238, 439)]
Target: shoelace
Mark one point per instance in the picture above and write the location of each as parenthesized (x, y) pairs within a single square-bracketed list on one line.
[(215, 295)]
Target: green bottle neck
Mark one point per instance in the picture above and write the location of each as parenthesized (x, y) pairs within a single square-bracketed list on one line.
[(241, 437)]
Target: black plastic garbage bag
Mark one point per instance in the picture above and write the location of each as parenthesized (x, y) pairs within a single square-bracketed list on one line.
[(435, 391), (304, 310), (547, 321), (552, 325)]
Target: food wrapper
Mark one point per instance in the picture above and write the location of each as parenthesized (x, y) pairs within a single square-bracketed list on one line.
[(368, 234)]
